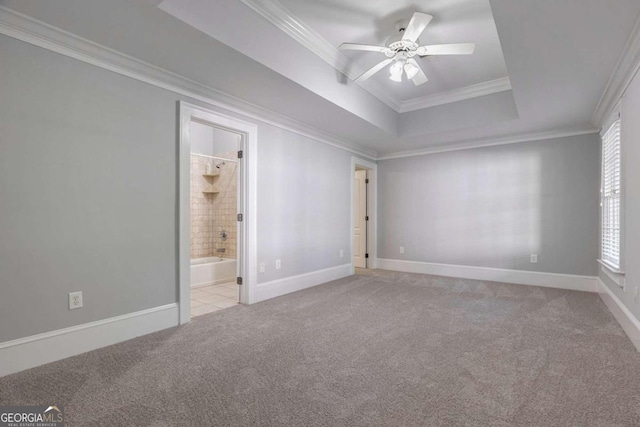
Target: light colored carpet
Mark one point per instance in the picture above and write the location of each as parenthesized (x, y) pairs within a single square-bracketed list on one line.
[(384, 349)]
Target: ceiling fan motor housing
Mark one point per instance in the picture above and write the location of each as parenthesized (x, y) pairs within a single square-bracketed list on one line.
[(406, 46), (396, 44)]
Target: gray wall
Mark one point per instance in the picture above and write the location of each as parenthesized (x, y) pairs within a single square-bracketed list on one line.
[(87, 190), (630, 137), (88, 194), (304, 204), (494, 206)]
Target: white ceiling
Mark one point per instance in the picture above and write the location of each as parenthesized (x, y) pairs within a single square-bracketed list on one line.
[(559, 55)]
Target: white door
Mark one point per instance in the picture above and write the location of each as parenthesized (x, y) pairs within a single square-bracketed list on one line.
[(359, 219)]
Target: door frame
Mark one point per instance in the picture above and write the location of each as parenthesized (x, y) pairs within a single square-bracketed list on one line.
[(372, 211), (360, 222), (247, 253)]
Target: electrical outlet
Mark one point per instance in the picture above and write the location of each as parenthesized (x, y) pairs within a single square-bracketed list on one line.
[(278, 264), (263, 267), (534, 258), (401, 249), (75, 300), (341, 253)]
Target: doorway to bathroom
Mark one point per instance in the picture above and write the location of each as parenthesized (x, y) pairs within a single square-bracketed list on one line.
[(363, 214), (215, 161), (215, 236)]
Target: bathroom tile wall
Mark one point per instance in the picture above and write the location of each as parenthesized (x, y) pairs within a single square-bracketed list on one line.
[(211, 214), (225, 207), (201, 210)]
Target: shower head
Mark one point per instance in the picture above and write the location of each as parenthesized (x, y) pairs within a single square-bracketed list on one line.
[(219, 165)]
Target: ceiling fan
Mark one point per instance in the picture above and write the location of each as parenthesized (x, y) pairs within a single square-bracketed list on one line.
[(402, 48)]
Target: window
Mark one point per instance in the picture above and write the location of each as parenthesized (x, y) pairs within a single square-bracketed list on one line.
[(611, 196)]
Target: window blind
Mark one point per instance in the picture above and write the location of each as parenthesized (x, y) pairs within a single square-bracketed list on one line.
[(611, 195)]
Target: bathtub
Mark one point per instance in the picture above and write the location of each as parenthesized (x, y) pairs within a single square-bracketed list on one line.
[(212, 271)]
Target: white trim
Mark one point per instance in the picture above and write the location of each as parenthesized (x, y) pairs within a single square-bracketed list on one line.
[(38, 33), (489, 142), (36, 350), (610, 267), (278, 15), (626, 68), (519, 277), (278, 287), (629, 323), (247, 203), (468, 92), (372, 211), (616, 277), (611, 118)]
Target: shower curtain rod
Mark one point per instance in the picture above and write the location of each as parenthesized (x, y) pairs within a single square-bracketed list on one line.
[(214, 157)]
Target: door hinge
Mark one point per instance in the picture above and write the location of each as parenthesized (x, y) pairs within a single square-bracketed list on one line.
[(239, 280), (239, 217), (240, 153), (366, 181), (366, 218), (366, 255)]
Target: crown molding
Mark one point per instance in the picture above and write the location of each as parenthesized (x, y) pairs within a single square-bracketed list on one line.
[(41, 34), (27, 29), (626, 68), (274, 12), (489, 142), (468, 92)]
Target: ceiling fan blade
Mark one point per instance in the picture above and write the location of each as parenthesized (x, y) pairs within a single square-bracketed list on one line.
[(447, 49), (379, 66), (418, 23), (368, 47), (420, 77)]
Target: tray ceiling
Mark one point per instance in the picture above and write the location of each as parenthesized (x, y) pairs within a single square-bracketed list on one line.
[(367, 22), (321, 26), (561, 57)]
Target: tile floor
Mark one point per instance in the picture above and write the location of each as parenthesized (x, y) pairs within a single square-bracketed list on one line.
[(208, 299)]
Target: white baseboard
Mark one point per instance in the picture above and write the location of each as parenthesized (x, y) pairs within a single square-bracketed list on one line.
[(276, 288), (630, 324), (520, 277), (24, 353)]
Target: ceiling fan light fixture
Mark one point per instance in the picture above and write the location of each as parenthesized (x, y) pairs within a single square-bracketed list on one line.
[(404, 46), (396, 77), (411, 70), (396, 71)]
